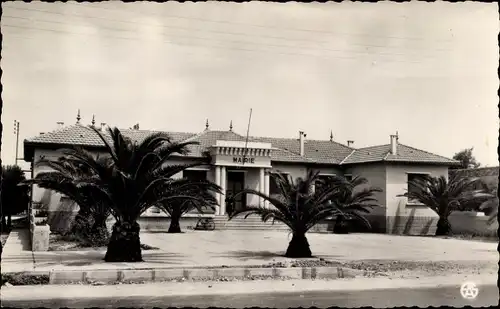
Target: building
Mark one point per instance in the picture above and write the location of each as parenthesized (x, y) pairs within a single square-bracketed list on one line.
[(388, 167)]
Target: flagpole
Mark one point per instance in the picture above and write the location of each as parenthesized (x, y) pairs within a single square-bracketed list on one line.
[(246, 142)]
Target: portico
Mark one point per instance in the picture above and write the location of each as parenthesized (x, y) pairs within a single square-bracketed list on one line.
[(240, 165)]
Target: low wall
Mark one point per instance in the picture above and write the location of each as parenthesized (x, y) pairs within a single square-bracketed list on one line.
[(159, 223), (39, 234), (461, 223), (325, 226), (470, 223)]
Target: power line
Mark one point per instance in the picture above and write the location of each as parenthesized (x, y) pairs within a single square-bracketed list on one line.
[(202, 30), (261, 26), (226, 41), (211, 56), (209, 46)]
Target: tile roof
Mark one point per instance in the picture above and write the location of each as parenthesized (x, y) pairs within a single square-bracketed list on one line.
[(284, 149), (405, 154), (84, 136)]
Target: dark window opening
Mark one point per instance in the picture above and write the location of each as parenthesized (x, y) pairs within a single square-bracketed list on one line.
[(411, 187), (195, 174)]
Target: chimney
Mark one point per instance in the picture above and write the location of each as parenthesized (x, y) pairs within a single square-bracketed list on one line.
[(302, 137), (103, 126), (394, 144), (60, 124), (349, 143)]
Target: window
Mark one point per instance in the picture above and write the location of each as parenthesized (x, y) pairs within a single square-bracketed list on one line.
[(322, 179), (195, 174), (273, 186), (348, 177), (413, 188)]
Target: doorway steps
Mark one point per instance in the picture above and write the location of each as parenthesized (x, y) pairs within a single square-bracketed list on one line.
[(250, 223)]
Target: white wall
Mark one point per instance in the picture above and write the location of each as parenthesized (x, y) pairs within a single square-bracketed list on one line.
[(328, 170), (397, 183), (293, 170)]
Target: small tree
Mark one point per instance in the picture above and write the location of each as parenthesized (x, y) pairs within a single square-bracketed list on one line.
[(298, 206), (444, 196), (466, 159), (15, 197), (177, 208)]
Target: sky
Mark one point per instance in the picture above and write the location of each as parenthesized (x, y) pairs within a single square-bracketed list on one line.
[(360, 70)]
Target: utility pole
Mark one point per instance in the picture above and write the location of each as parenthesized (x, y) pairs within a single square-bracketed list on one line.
[(16, 132)]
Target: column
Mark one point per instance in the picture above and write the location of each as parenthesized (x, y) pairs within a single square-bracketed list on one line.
[(223, 195), (217, 195), (266, 187), (261, 186)]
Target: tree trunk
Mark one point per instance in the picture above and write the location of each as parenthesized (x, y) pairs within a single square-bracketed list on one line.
[(298, 247), (9, 222), (341, 226), (443, 227), (175, 226), (125, 243)]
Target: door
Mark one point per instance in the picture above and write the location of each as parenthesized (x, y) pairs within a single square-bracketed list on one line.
[(235, 183)]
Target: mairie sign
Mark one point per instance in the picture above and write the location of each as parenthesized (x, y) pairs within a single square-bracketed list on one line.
[(243, 160)]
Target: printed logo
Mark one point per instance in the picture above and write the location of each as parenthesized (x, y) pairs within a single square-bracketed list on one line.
[(469, 290)]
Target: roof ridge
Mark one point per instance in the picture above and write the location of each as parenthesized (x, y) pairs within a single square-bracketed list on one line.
[(374, 146), (427, 152), (196, 135), (352, 152)]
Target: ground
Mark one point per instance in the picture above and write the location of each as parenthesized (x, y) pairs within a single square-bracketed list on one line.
[(58, 242), (396, 256)]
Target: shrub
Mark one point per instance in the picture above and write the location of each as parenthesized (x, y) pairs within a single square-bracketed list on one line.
[(87, 235), (23, 279)]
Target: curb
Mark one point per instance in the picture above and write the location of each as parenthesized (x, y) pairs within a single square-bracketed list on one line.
[(164, 274)]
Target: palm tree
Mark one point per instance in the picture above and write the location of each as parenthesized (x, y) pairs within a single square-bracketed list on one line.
[(15, 198), (137, 179), (443, 196), (67, 172), (177, 209), (490, 203), (354, 202), (298, 206)]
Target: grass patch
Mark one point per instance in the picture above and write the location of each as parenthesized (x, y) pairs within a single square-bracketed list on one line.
[(24, 279)]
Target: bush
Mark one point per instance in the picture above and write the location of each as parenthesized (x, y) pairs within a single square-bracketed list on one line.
[(87, 235), (23, 279)]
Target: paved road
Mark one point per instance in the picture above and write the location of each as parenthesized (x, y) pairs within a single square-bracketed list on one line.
[(422, 297)]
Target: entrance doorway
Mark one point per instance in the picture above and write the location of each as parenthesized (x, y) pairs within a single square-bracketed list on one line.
[(235, 183)]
